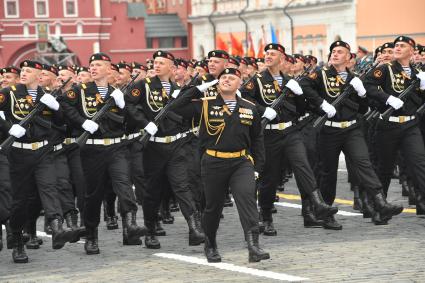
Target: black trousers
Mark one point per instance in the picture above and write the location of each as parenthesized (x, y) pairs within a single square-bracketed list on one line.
[(407, 138), (218, 174), (194, 170), (137, 172), (292, 147), (77, 175), (350, 141), (5, 189), (63, 182), (32, 170), (168, 160), (102, 164)]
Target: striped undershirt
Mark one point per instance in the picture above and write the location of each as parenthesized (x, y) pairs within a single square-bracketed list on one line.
[(166, 86), (407, 70), (32, 93), (103, 90), (231, 104), (343, 75), (279, 79)]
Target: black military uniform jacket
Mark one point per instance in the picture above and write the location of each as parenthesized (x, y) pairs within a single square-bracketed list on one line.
[(263, 90), (146, 98), (391, 79), (16, 104), (82, 102), (326, 84), (222, 130)]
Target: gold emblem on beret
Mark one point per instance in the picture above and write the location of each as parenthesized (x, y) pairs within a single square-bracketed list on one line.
[(227, 71), (135, 92), (92, 57), (159, 52), (4, 70), (400, 38), (270, 46), (213, 54), (25, 63), (338, 43), (377, 73)]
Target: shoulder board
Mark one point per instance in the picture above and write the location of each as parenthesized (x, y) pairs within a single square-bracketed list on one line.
[(13, 88), (209, 98), (148, 80), (84, 86), (247, 101)]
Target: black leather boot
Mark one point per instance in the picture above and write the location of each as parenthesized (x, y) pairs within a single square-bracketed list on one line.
[(310, 220), (198, 217), (322, 209), (330, 223), (47, 228), (420, 202), (71, 219), (174, 206), (9, 236), (256, 254), (269, 229), (151, 241), (412, 194), (386, 209), (91, 245), (196, 237), (33, 242), (228, 201), (357, 203), (261, 226), (60, 235), (159, 230), (210, 249), (367, 208), (112, 222), (19, 254), (167, 218), (404, 188)]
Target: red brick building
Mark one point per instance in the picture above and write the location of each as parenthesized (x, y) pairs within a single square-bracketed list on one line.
[(127, 30)]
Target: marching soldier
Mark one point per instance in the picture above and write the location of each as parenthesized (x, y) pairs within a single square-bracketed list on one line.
[(164, 154), (281, 137), (9, 76), (230, 132), (31, 159), (140, 70), (400, 131), (103, 157), (83, 75), (342, 132)]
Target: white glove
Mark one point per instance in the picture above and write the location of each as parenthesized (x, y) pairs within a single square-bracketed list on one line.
[(175, 93), (358, 86), (205, 86), (17, 131), (2, 115), (119, 98), (328, 108), (395, 102), (151, 128), (256, 175), (294, 86), (269, 114), (90, 126), (421, 76), (48, 100)]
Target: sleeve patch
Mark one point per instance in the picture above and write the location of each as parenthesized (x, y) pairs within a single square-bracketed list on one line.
[(250, 85), (313, 76), (71, 94), (135, 92), (2, 98), (377, 74)]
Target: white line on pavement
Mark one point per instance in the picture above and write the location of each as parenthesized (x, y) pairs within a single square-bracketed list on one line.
[(294, 205), (232, 267)]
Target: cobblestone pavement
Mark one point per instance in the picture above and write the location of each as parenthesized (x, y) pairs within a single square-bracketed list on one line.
[(361, 252)]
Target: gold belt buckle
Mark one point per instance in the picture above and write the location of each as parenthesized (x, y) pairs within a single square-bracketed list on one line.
[(281, 126), (107, 141), (167, 139), (344, 124), (402, 119), (67, 141), (34, 146)]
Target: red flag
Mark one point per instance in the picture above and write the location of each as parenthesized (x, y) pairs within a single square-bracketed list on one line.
[(237, 49), (221, 45), (251, 51), (260, 53)]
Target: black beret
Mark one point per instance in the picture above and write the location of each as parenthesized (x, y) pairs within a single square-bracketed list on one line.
[(339, 43), (219, 54), (387, 45), (230, 71), (233, 60), (114, 67), (100, 56), (259, 60), (31, 64), (290, 59), (275, 46), (311, 58), (421, 48), (51, 69), (181, 62), (10, 69), (164, 54), (363, 49), (203, 65), (67, 68), (300, 57), (124, 65), (82, 69), (406, 39)]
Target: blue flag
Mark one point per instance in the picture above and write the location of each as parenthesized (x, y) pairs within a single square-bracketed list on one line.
[(273, 33)]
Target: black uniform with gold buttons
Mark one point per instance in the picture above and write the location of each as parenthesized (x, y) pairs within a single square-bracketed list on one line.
[(103, 157), (402, 131), (229, 140)]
